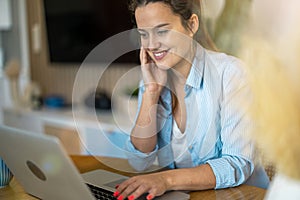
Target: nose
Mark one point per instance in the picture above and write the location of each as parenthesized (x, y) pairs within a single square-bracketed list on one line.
[(152, 43)]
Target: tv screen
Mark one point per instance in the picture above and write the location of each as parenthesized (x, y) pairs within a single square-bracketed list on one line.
[(75, 27)]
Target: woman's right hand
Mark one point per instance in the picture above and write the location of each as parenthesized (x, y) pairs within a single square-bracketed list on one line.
[(144, 133), (154, 78)]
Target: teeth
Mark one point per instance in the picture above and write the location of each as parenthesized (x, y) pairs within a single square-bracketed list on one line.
[(158, 54)]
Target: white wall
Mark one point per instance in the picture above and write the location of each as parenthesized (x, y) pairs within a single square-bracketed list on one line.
[(14, 45), (5, 24), (5, 15), (1, 56)]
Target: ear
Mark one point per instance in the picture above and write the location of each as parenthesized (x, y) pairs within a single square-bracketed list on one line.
[(193, 24)]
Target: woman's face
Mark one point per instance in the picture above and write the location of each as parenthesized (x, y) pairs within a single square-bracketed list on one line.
[(163, 36)]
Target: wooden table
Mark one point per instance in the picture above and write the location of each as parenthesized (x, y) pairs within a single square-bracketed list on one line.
[(87, 163)]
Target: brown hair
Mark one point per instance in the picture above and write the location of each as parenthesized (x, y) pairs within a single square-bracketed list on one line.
[(184, 9)]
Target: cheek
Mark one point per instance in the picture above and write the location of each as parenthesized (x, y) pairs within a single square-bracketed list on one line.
[(180, 38), (144, 43), (168, 42), (173, 41), (181, 48)]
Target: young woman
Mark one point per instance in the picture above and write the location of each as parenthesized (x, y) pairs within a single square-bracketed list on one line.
[(192, 107)]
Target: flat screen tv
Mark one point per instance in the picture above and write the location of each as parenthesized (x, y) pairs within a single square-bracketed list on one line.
[(75, 27)]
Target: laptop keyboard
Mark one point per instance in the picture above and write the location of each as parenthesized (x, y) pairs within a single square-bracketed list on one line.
[(103, 194), (100, 193)]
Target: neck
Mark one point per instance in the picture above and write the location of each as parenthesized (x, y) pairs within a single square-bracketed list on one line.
[(180, 72), (178, 78), (184, 66)]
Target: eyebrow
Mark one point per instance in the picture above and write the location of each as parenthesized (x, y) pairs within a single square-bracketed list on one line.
[(156, 27)]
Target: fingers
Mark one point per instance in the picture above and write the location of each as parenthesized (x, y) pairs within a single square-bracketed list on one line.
[(152, 193), (150, 196), (143, 56), (130, 189), (154, 78), (139, 191), (134, 188), (123, 190)]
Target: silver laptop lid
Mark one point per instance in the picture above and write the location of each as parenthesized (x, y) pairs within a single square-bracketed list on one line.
[(41, 166)]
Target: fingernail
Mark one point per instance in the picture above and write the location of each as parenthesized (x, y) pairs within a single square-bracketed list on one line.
[(131, 197), (120, 197), (116, 193), (116, 186), (149, 197)]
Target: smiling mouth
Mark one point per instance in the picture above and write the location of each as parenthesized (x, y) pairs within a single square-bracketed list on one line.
[(159, 55)]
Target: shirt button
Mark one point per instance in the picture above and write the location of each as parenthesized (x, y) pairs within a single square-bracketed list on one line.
[(191, 147)]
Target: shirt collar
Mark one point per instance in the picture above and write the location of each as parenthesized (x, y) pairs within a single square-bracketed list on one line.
[(195, 76)]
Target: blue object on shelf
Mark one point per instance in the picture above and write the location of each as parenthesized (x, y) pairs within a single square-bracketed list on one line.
[(54, 102)]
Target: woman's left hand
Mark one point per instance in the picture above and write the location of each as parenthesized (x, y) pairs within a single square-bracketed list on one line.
[(152, 184)]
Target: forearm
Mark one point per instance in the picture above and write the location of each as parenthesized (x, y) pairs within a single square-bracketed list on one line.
[(197, 178), (144, 133)]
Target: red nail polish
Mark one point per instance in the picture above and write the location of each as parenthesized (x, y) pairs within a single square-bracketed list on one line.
[(116, 193), (131, 197), (149, 197), (120, 197)]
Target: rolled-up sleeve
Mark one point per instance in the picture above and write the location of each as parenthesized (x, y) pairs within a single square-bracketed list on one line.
[(235, 165), (230, 171), (138, 160)]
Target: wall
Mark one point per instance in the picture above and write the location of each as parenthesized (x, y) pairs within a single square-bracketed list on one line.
[(1, 56), (5, 24), (15, 40), (13, 44)]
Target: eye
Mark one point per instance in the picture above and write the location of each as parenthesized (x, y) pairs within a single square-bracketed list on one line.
[(143, 35), (162, 32)]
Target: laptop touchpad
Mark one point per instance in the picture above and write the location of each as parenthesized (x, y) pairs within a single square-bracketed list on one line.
[(114, 183)]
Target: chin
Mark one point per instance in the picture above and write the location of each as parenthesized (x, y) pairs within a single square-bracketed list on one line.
[(163, 66)]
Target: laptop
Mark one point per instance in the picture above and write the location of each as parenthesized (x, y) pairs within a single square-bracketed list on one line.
[(43, 168)]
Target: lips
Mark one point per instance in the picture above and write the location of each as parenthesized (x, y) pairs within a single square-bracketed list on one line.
[(159, 55)]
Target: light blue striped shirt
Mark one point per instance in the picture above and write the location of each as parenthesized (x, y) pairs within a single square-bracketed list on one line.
[(217, 126)]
